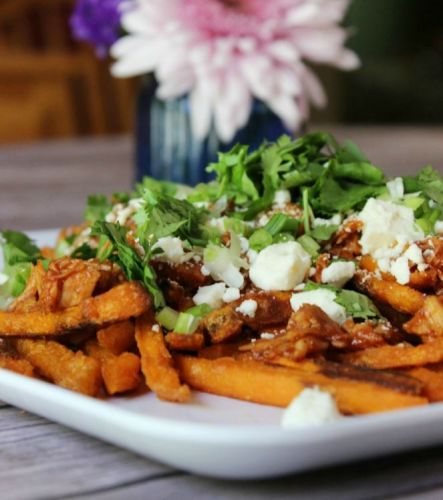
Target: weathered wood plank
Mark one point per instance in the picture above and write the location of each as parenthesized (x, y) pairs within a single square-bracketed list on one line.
[(40, 459), (389, 477)]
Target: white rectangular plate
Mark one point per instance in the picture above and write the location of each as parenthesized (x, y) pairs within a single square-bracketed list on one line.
[(221, 437)]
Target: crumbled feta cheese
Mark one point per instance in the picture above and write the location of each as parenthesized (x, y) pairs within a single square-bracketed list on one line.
[(338, 273), (312, 407), (282, 197), (280, 266), (414, 254), (300, 287), (248, 308), (223, 268), (396, 188), (211, 295), (335, 221), (120, 213), (400, 270), (438, 228), (263, 220), (231, 294), (385, 224), (172, 247), (244, 244), (251, 255), (201, 204), (156, 328), (322, 298), (218, 223), (267, 336), (312, 272), (3, 278), (205, 271), (384, 265)]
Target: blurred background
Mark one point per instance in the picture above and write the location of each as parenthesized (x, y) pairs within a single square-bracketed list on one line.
[(53, 87)]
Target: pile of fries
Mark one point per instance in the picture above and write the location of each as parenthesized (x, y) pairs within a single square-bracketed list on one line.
[(86, 325)]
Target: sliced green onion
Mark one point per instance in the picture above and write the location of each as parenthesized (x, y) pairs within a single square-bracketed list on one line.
[(414, 202), (260, 239), (168, 318), (324, 233), (199, 311), (282, 223), (283, 238), (237, 226), (306, 211), (309, 244), (186, 323)]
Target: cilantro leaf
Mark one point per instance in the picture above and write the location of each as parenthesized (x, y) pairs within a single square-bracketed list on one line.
[(431, 183), (156, 186), (324, 232), (97, 207), (133, 265), (167, 216), (19, 253), (357, 305)]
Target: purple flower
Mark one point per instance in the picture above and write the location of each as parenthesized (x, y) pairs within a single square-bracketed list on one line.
[(97, 22)]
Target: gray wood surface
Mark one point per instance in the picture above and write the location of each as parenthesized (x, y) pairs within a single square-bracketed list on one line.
[(44, 185)]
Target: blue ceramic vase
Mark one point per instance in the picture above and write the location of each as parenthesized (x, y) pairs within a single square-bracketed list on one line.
[(167, 150)]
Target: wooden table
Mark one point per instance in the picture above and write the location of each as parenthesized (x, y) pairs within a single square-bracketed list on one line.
[(44, 185)]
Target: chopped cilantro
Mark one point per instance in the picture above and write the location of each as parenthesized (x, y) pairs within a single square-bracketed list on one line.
[(97, 207), (357, 305), (165, 215), (19, 253), (133, 265)]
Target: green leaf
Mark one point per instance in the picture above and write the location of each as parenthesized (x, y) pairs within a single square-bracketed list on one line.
[(282, 223), (84, 252), (431, 183), (156, 186), (168, 216), (357, 305), (361, 172), (133, 266), (19, 253), (97, 207), (18, 247), (324, 232)]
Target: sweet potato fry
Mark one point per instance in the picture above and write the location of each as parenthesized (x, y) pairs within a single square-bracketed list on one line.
[(120, 373), (157, 363), (397, 356), (188, 274), (272, 385), (428, 321), (400, 297), (68, 282), (57, 363), (432, 380), (421, 280), (272, 308), (118, 304), (118, 337), (181, 342), (223, 324), (17, 365)]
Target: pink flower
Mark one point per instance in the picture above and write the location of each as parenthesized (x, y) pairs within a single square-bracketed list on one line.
[(226, 52)]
